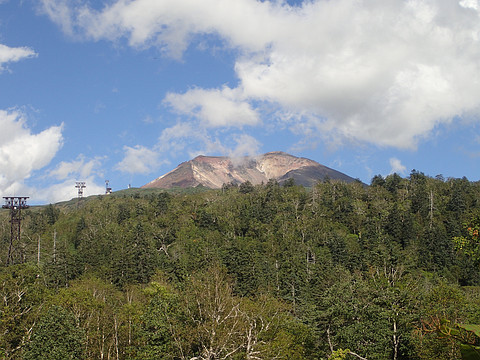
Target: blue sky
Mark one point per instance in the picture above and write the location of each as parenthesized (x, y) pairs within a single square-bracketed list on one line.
[(125, 90)]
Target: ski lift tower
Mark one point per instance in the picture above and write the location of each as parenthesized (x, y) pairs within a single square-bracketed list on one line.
[(80, 185), (108, 190), (15, 204)]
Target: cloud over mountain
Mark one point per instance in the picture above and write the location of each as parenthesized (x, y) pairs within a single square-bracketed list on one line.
[(398, 70)]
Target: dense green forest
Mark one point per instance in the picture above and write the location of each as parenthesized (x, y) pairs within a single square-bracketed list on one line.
[(338, 271)]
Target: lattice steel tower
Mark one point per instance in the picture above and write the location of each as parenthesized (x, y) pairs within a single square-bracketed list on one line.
[(108, 189), (15, 204), (80, 185)]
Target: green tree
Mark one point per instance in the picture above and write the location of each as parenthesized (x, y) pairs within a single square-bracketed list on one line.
[(22, 293), (159, 323), (246, 187), (55, 337), (97, 307), (51, 213), (469, 243)]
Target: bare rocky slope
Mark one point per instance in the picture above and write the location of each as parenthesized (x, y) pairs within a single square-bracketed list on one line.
[(214, 171)]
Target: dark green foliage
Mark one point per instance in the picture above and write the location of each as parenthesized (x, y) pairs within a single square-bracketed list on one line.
[(377, 180), (160, 314), (246, 187), (51, 213), (143, 255), (393, 183), (55, 337), (289, 182), (122, 214), (22, 295)]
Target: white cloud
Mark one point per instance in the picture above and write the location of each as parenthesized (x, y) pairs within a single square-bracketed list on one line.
[(397, 166), (77, 169), (472, 4), (214, 108), (21, 152), (383, 72), (168, 23), (178, 131), (60, 12), (193, 136), (190, 137), (246, 146), (177, 138), (14, 54), (139, 160)]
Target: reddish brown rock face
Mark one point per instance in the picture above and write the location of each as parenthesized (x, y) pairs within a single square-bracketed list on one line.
[(214, 171)]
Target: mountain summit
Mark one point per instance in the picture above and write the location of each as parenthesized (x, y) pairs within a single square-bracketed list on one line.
[(214, 171)]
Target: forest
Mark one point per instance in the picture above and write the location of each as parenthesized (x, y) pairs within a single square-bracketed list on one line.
[(388, 270)]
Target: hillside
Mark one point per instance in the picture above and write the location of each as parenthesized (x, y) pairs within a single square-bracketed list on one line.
[(266, 271)]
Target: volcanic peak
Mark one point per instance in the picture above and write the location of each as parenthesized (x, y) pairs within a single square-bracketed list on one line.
[(214, 171)]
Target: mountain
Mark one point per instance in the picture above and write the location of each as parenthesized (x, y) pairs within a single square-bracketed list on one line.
[(214, 171)]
